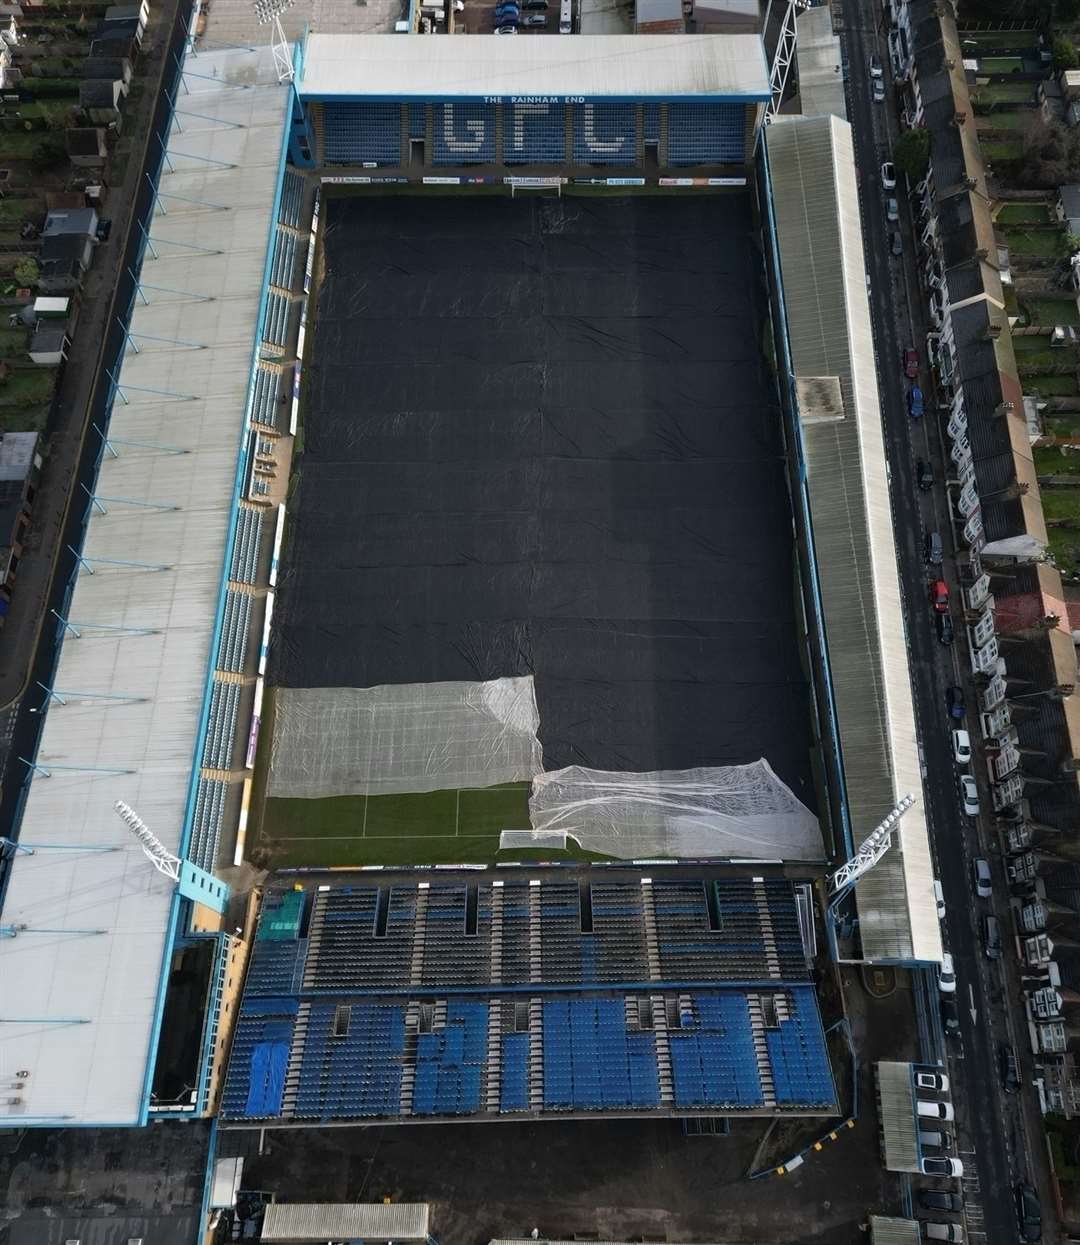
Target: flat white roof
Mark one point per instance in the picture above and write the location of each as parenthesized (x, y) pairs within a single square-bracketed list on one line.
[(482, 67), (87, 1003), (815, 198)]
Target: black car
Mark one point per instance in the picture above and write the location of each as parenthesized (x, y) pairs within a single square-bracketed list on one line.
[(924, 473), (534, 19), (1028, 1213), (950, 1016), (1010, 1075), (954, 701), (944, 628), (535, 4), (931, 1199)]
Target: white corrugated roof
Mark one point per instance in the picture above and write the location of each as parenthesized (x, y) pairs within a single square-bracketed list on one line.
[(325, 1221), (93, 1072), (824, 272), (899, 1126), (592, 66)]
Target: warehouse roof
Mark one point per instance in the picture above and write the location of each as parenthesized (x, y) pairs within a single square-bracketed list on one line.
[(817, 210), (293, 1223), (487, 68), (146, 600)]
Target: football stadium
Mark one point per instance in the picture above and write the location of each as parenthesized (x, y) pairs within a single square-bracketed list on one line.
[(485, 632)]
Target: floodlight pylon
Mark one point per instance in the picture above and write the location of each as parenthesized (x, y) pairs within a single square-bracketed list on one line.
[(268, 13)]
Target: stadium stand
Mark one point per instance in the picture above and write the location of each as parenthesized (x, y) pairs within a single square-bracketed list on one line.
[(245, 556), (234, 631), (483, 995), (292, 200), (207, 821), (359, 133), (267, 396)]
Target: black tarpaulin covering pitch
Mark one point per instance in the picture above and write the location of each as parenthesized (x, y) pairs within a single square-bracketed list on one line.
[(540, 438)]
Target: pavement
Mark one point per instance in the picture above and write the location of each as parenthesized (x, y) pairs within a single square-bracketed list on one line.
[(999, 1136)]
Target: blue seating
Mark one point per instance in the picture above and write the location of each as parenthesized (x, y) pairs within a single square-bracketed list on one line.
[(450, 1062), (605, 134), (706, 134), (276, 968), (283, 263), (417, 121), (362, 133), (266, 396), (652, 122), (292, 199), (234, 631), (798, 1057), (254, 1085), (534, 134), (591, 1061), (221, 726), (206, 822), (245, 555), (514, 1085), (464, 134), (713, 1062), (276, 322), (357, 1075)]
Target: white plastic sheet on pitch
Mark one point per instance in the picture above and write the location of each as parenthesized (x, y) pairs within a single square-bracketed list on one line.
[(401, 738), (730, 811)]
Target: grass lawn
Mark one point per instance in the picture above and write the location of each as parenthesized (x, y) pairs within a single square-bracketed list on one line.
[(1046, 243), (16, 210), (438, 827), (1018, 119), (1024, 214), (1033, 361), (998, 39), (24, 419), (28, 388), (1051, 386), (1006, 93), (1050, 461), (1052, 310), (1003, 149), (14, 344), (22, 146), (1001, 64)]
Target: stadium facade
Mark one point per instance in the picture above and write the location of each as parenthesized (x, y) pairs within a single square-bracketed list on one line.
[(156, 693)]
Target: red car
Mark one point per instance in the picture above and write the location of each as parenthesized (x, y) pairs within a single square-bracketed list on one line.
[(939, 596), (911, 363)]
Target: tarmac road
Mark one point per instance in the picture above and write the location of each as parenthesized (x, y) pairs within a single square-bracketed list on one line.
[(991, 1135)]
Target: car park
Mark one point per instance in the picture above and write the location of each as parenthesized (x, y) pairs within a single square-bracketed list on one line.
[(961, 747), (915, 403), (939, 595), (954, 702), (933, 548), (1028, 1213), (934, 1110), (969, 795), (948, 1167), (935, 1199), (924, 475), (944, 628), (936, 1081), (984, 887), (991, 931), (888, 176), (1010, 1073), (943, 1232), (947, 975), (911, 362)]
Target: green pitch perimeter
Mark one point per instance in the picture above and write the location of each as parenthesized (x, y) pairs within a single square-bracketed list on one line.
[(438, 827)]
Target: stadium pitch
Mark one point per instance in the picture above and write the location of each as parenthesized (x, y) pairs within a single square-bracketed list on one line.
[(541, 438)]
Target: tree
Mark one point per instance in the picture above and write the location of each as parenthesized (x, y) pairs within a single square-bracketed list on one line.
[(26, 271), (1066, 11), (911, 155), (1050, 156), (1065, 54)]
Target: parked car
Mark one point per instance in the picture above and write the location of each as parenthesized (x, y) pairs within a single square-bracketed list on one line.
[(892, 209), (934, 1110), (915, 402), (991, 930), (954, 701), (875, 67), (534, 19), (939, 596), (1028, 1213), (896, 244), (961, 747), (947, 975), (969, 795), (924, 474), (943, 1232), (937, 1081), (1010, 1073), (937, 1139), (933, 548), (888, 176), (506, 30), (939, 900), (944, 628), (950, 1016), (911, 363), (983, 883), (877, 90), (942, 1167), (535, 4), (933, 1199)]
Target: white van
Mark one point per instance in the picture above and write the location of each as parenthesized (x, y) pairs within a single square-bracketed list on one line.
[(943, 1232), (934, 1110)]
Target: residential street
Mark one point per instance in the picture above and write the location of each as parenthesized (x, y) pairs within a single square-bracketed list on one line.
[(993, 1139)]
